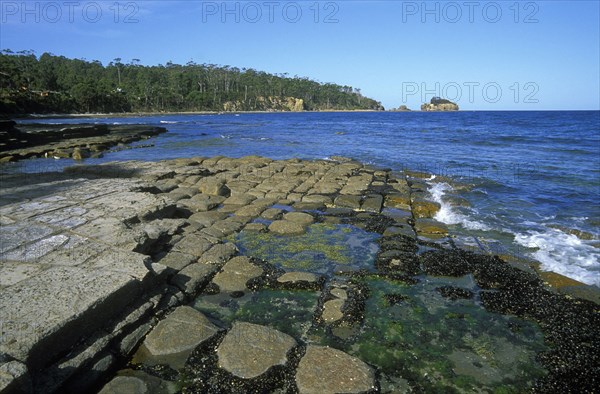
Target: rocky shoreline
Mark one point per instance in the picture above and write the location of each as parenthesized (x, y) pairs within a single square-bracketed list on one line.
[(59, 141), (192, 275)]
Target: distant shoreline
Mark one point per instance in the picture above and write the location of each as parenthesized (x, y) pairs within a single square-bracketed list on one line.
[(148, 114), (144, 114)]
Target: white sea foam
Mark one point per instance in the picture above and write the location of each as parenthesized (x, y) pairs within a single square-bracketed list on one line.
[(448, 215), (169, 121), (563, 253)]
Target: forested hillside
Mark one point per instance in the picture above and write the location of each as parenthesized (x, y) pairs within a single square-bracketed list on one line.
[(56, 84)]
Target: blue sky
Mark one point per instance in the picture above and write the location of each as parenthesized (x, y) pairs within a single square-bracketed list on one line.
[(486, 55)]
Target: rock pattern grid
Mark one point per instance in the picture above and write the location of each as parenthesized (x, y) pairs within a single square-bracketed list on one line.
[(104, 258)]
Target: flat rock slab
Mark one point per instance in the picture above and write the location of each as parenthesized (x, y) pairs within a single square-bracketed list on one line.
[(405, 230), (400, 201), (325, 370), (240, 199), (191, 278), (430, 226), (271, 213), (207, 218), (424, 208), (296, 277), (373, 203), (177, 260), (11, 377), (219, 254), (286, 227), (47, 313), (256, 227), (236, 273), (137, 382), (318, 198), (125, 384), (299, 217), (348, 201), (332, 310), (183, 330), (249, 350), (193, 244), (339, 293)]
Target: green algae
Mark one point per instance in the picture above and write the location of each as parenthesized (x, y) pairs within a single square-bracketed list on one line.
[(319, 250), (289, 311), (442, 345)]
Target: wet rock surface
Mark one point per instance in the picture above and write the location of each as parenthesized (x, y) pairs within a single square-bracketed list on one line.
[(250, 350), (286, 227), (327, 370), (253, 275), (236, 273), (182, 330), (24, 141)]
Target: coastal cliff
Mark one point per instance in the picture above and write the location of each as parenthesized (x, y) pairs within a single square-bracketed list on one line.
[(439, 104), (274, 104)]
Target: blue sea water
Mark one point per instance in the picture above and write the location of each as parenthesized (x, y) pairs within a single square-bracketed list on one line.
[(529, 178)]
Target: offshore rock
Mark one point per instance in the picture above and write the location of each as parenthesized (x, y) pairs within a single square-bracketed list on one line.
[(439, 104)]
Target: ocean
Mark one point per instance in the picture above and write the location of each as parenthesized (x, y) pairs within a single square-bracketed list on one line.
[(525, 183)]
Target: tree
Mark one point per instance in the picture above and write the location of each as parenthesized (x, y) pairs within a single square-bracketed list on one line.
[(53, 83)]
